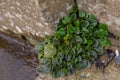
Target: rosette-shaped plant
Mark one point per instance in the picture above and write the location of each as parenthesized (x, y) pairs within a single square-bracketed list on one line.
[(78, 40)]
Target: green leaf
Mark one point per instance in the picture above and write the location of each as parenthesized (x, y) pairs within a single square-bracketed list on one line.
[(78, 39), (77, 30), (49, 50), (55, 74), (99, 50), (66, 20), (70, 29), (68, 57), (84, 23), (68, 36), (91, 17), (105, 42), (60, 32), (95, 43), (74, 10), (84, 63), (79, 65), (55, 61), (56, 41), (40, 55), (89, 42), (79, 58), (93, 23), (42, 69), (73, 17), (60, 25), (103, 26), (87, 16), (94, 54), (77, 23), (82, 14), (84, 40), (78, 48), (84, 29), (101, 33), (75, 60), (92, 20), (63, 72), (39, 47), (88, 64)]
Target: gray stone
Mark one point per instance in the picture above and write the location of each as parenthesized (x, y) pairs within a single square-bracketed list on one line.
[(32, 17)]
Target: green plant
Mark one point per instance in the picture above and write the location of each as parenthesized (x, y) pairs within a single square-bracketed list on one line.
[(79, 39)]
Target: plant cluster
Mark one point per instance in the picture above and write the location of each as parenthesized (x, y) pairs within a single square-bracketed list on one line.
[(79, 39)]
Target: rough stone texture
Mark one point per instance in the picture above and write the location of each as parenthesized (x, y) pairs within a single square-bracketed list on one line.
[(107, 11), (39, 17), (111, 73), (32, 17)]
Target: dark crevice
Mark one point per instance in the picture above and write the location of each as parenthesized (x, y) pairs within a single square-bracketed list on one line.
[(111, 35)]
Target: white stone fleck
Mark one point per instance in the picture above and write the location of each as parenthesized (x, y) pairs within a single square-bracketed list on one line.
[(4, 27), (62, 14), (39, 24), (113, 0), (36, 2), (11, 7), (117, 53), (8, 15), (43, 19), (1, 18), (56, 21), (27, 11), (18, 29), (18, 3), (68, 6), (46, 33), (79, 6), (46, 24), (19, 10), (11, 23), (37, 34), (28, 27), (34, 15), (90, 9), (19, 16)]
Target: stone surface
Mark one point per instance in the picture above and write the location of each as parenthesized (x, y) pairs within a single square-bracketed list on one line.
[(32, 17), (28, 18), (111, 73), (107, 11), (13, 69), (39, 17), (18, 61)]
